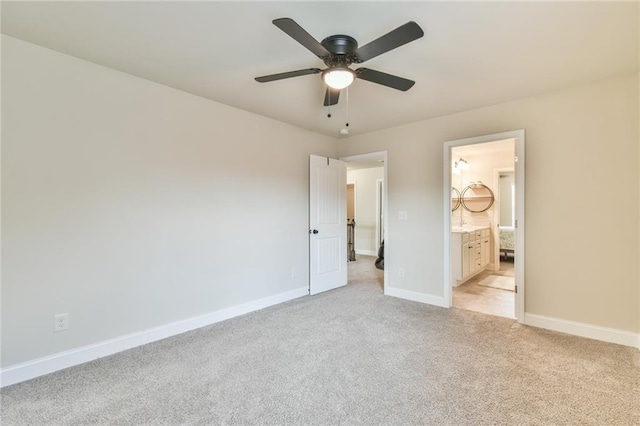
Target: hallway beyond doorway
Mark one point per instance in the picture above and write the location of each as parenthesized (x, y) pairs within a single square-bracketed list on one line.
[(364, 271)]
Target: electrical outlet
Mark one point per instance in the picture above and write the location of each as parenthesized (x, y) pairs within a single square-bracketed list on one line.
[(401, 272), (60, 322)]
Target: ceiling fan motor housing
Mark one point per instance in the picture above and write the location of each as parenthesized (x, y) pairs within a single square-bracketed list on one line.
[(342, 48)]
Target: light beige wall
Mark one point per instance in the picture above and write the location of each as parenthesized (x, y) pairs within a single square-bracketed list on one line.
[(351, 199), (365, 180), (581, 164), (130, 205)]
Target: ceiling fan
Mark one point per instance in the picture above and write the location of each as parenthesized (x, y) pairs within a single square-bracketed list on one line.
[(338, 52)]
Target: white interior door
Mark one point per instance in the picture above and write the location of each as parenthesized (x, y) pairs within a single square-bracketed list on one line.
[(327, 224)]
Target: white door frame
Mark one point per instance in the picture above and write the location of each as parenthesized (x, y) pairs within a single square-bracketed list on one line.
[(379, 155), (379, 211), (519, 163)]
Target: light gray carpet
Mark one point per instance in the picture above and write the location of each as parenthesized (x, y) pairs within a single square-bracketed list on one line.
[(349, 356)]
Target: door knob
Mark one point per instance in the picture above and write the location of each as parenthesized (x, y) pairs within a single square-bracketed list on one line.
[(315, 231)]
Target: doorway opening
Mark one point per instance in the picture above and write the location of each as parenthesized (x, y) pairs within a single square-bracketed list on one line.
[(351, 221), (366, 174), (484, 224)]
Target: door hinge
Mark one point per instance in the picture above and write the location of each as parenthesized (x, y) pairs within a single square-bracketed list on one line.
[(516, 289), (516, 222), (327, 161)]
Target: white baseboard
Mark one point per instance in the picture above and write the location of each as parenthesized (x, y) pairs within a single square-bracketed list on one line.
[(416, 297), (605, 334), (367, 252), (41, 366)]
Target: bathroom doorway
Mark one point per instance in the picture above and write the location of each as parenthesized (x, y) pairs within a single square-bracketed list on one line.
[(484, 248)]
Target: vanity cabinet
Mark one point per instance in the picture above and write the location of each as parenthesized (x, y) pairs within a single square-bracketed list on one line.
[(463, 269), (470, 253), (486, 248)]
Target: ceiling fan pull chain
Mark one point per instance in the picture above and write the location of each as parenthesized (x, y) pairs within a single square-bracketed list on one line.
[(347, 124)]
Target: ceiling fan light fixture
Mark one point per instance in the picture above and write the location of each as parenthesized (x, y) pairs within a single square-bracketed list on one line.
[(338, 77)]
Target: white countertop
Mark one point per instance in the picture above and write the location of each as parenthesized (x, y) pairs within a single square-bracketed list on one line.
[(467, 228)]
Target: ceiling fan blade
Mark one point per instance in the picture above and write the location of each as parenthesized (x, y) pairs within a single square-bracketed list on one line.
[(385, 79), (298, 33), (396, 38), (331, 96), (282, 75)]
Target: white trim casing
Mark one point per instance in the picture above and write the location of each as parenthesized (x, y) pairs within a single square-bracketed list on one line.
[(447, 267), (604, 334), (379, 212), (49, 364), (520, 254)]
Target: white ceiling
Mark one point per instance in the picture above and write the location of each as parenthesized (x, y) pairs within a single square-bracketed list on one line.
[(472, 55)]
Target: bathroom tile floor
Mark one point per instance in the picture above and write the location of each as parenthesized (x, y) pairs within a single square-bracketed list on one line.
[(487, 300)]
